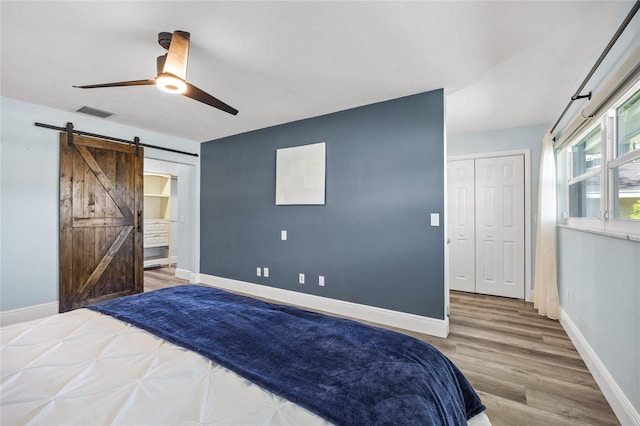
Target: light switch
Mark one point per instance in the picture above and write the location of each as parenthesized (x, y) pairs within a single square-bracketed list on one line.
[(435, 219), (321, 280), (265, 272), (283, 235), (301, 278), (258, 272)]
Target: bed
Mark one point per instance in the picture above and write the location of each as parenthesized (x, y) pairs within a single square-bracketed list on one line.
[(199, 355)]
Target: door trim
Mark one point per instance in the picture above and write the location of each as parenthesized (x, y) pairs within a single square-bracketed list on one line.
[(528, 246)]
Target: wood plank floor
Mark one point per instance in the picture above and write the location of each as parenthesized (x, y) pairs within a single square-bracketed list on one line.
[(157, 278), (523, 366)]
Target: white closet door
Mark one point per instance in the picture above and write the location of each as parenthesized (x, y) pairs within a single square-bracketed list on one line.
[(461, 227), (499, 194)]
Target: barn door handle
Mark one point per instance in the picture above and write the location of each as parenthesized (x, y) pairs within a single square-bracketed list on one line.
[(139, 220)]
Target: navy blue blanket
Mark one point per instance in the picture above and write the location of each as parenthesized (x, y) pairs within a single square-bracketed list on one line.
[(346, 372)]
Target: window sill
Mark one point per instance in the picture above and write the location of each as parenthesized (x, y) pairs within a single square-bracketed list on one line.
[(621, 236)]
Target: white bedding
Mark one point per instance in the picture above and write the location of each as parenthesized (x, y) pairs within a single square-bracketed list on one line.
[(86, 368)]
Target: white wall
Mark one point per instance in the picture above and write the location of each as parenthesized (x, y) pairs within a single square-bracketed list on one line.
[(599, 286), (189, 231), (29, 180)]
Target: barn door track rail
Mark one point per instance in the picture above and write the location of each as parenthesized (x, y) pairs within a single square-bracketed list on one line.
[(136, 140)]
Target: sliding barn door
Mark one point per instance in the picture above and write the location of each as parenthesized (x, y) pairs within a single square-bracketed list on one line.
[(101, 201)]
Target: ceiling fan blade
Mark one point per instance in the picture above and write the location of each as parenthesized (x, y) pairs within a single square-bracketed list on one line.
[(194, 93), (120, 84), (178, 55)]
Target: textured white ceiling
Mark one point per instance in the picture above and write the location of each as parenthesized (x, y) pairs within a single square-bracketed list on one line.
[(502, 64)]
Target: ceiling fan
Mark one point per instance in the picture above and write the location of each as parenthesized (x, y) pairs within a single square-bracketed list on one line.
[(172, 72)]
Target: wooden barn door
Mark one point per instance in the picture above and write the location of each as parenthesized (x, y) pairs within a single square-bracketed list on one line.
[(101, 199)]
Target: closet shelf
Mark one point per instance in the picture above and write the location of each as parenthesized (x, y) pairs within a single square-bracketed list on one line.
[(157, 193)]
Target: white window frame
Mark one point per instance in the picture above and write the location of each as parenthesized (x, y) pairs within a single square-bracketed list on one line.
[(586, 222), (605, 223), (624, 226)]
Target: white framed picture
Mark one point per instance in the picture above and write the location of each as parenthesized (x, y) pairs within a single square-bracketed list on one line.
[(300, 174)]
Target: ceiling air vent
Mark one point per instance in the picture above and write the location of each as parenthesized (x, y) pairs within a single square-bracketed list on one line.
[(95, 112)]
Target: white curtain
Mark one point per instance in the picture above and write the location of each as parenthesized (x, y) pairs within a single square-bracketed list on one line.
[(545, 288)]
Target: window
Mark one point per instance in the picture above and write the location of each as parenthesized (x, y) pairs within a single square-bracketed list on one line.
[(628, 117), (584, 187), (584, 198), (626, 172), (603, 182), (586, 154)]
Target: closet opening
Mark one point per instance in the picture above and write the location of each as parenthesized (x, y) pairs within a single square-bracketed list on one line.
[(170, 217), (160, 219)]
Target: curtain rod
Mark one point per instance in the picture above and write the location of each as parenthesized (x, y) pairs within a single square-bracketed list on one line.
[(606, 50), (111, 138)]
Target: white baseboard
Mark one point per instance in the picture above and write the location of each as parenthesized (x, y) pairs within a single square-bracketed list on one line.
[(622, 407), (418, 323), (28, 313), (185, 274)]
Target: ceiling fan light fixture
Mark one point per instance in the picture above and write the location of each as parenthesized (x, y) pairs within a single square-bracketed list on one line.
[(172, 73), (171, 84)]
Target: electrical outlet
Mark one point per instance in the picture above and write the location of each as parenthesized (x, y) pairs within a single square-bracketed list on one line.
[(321, 280), (258, 272), (283, 235), (265, 272), (301, 278)]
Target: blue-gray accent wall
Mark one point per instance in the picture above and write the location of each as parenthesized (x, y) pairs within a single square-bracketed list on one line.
[(372, 240)]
